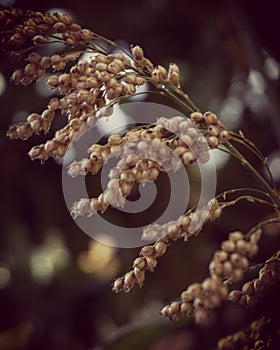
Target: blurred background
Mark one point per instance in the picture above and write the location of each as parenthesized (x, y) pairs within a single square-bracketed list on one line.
[(55, 281)]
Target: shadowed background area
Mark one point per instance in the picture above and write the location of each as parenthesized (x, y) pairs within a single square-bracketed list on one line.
[(55, 281)]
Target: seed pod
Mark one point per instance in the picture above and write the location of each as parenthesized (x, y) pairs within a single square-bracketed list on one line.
[(195, 289), (188, 158), (160, 248), (17, 76), (147, 251), (114, 139), (101, 66), (76, 123), (34, 57), (39, 40), (210, 118), (86, 34), (45, 62), (48, 114), (224, 136), (118, 285), (130, 78), (36, 125), (151, 263), (197, 117), (34, 152), (59, 27), (165, 311), (174, 308), (228, 246), (140, 263), (129, 280), (30, 69), (17, 39), (137, 53), (50, 146), (66, 19), (213, 142), (235, 236)]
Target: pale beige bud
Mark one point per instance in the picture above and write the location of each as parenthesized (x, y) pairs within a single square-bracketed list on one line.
[(129, 280), (54, 104), (50, 146), (221, 256), (83, 95), (235, 236), (130, 78), (248, 288), (66, 19), (118, 285), (116, 66), (237, 274), (17, 76), (53, 81), (140, 263), (228, 246), (137, 53), (195, 289), (147, 251), (91, 82), (111, 83), (209, 284), (227, 268), (34, 152), (30, 69), (33, 116), (151, 262), (185, 309), (17, 39), (36, 125), (213, 142), (224, 136), (140, 81), (34, 57), (160, 248), (186, 296), (101, 66), (165, 311), (188, 158), (210, 118), (197, 117), (76, 123), (45, 62), (114, 139), (86, 34), (140, 276), (48, 114), (174, 78), (174, 308), (59, 27)]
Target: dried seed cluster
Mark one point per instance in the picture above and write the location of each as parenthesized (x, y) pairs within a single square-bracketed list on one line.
[(233, 257), (166, 234), (143, 153), (255, 289), (197, 300), (87, 90), (252, 337), (194, 135), (23, 28), (231, 262)]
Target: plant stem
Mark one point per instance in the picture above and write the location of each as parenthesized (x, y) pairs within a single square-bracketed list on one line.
[(253, 171)]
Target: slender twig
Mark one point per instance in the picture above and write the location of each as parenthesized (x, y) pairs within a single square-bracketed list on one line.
[(253, 171), (252, 147)]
